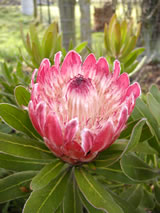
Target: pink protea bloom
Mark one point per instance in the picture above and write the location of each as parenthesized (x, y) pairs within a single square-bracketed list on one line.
[(78, 109)]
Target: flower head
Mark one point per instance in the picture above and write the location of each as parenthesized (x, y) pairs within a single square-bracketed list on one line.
[(78, 109)]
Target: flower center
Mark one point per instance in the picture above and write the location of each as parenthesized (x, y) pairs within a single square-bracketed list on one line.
[(81, 96), (80, 85)]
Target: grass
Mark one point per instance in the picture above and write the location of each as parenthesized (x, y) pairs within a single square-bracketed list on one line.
[(10, 34)]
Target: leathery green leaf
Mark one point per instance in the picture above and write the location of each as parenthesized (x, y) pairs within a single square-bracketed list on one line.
[(154, 107), (127, 207), (81, 46), (133, 195), (15, 186), (18, 164), (157, 193), (106, 39), (22, 96), (95, 193), (129, 60), (148, 201), (23, 147), (48, 173), (136, 169), (145, 148), (136, 134), (142, 108), (114, 175), (48, 198), (129, 47), (88, 206), (155, 92), (72, 202), (18, 119), (34, 37)]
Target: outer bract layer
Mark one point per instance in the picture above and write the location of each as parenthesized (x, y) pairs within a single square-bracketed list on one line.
[(78, 109)]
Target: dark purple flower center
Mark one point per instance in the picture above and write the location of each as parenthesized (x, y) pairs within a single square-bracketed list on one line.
[(80, 85)]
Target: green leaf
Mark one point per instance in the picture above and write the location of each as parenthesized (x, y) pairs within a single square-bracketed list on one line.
[(127, 207), (88, 206), (49, 45), (72, 202), (146, 133), (157, 193), (48, 173), (34, 37), (81, 47), (6, 73), (136, 68), (129, 60), (59, 209), (110, 155), (117, 33), (148, 201), (114, 175), (131, 68), (22, 96), (145, 148), (136, 169), (111, 33), (18, 164), (95, 193), (36, 58), (123, 31), (136, 134), (48, 198), (15, 186), (154, 144), (145, 112), (19, 71), (23, 147), (58, 44), (129, 46), (128, 130), (51, 28), (5, 128), (133, 195), (50, 40), (154, 107), (155, 92), (106, 39), (70, 44), (18, 119)]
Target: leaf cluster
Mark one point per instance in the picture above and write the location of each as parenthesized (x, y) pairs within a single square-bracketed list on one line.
[(45, 47), (120, 40)]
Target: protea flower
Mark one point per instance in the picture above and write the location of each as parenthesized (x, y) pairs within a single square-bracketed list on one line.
[(78, 109)]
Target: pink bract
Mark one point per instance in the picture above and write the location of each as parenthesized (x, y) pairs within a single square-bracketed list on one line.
[(78, 109)]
